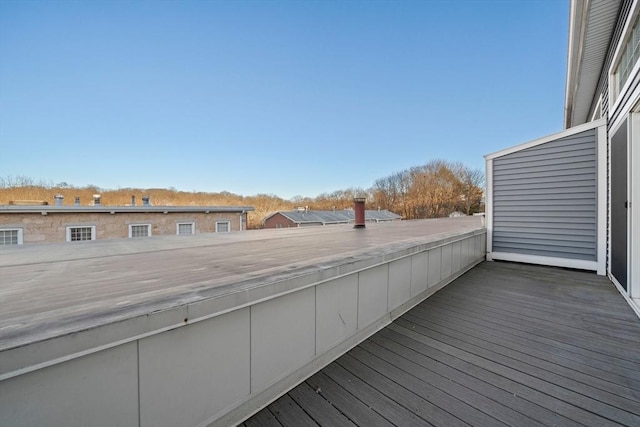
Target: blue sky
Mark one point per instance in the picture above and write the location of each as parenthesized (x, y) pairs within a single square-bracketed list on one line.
[(279, 97)]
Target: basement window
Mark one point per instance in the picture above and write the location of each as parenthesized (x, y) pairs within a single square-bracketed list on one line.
[(139, 230), (223, 226), (10, 236), (185, 228), (79, 234)]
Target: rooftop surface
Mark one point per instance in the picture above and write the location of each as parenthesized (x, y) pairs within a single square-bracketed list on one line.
[(49, 290), (503, 345)]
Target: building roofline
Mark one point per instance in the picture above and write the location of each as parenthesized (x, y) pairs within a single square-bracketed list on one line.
[(577, 25), (121, 209), (591, 25), (562, 134), (318, 220)]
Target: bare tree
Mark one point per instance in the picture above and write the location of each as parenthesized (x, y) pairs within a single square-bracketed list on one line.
[(471, 186)]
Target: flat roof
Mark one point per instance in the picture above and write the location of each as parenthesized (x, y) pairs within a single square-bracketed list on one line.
[(54, 290)]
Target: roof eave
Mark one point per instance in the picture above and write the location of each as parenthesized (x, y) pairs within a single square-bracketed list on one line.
[(123, 209), (577, 25), (591, 26)]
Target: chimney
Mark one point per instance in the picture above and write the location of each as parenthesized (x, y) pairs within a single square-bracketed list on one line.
[(77, 201), (58, 198), (358, 207), (133, 200), (96, 200), (145, 201)]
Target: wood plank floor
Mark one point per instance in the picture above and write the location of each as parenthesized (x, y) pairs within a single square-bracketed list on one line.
[(505, 344)]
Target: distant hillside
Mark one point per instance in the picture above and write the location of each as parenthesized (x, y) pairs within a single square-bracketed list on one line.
[(435, 189)]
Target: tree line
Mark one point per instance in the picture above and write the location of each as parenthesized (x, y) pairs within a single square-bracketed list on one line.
[(433, 190)]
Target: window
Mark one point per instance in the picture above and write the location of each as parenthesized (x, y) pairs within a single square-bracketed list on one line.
[(139, 230), (78, 234), (10, 236), (185, 228), (223, 227), (629, 54)]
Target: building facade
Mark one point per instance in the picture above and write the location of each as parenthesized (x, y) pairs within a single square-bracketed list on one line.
[(43, 223), (572, 199)]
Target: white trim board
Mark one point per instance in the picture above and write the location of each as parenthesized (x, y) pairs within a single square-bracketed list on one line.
[(488, 206), (601, 203), (634, 210), (634, 303), (543, 260)]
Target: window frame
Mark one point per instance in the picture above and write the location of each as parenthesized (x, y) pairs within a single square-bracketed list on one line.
[(228, 223), (130, 227), (191, 223), (614, 98), (68, 233), (20, 235)]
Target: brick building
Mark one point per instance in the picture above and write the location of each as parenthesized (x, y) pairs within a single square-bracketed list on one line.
[(46, 223)]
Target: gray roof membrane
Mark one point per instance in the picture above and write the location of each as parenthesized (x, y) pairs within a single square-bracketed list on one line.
[(338, 216)]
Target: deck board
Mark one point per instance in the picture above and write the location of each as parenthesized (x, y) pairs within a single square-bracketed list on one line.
[(318, 408), (541, 357), (466, 375), (290, 414), (505, 344), (350, 405), (616, 366), (596, 345)]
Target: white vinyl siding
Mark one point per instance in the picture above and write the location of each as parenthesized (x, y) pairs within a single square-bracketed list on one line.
[(139, 230), (10, 236), (223, 227), (81, 233), (185, 228)]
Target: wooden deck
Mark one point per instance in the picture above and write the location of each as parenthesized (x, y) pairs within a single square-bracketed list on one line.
[(505, 344)]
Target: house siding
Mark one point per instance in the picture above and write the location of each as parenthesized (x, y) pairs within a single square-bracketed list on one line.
[(545, 199), (603, 83)]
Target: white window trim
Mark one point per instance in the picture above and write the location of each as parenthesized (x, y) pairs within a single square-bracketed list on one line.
[(633, 239), (192, 224), (633, 14), (223, 222), (133, 225), (20, 234), (597, 112), (93, 232)]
